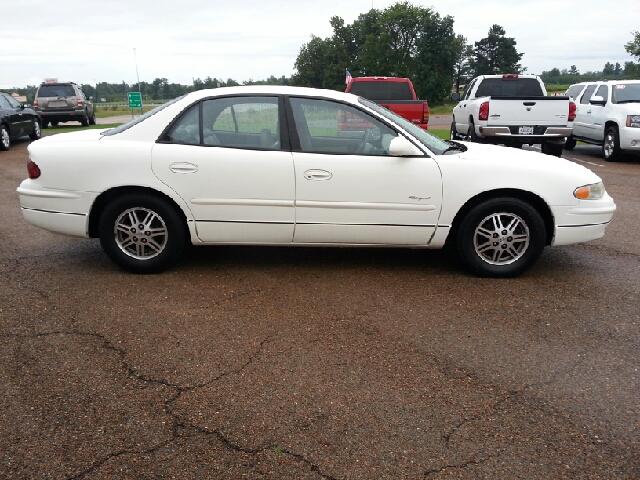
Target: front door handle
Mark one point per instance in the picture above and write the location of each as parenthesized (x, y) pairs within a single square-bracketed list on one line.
[(317, 175)]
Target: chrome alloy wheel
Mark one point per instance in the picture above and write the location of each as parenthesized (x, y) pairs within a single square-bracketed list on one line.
[(609, 144), (141, 233), (4, 139), (501, 238)]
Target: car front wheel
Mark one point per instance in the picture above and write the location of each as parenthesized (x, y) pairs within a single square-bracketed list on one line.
[(611, 145), (142, 233), (5, 138), (501, 237)]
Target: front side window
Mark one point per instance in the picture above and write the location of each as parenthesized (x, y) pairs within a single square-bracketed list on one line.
[(4, 103), (603, 91), (587, 94), (325, 126)]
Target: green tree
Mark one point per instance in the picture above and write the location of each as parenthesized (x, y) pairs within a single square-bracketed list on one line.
[(495, 54), (462, 68), (633, 47), (402, 40), (608, 69), (573, 71)]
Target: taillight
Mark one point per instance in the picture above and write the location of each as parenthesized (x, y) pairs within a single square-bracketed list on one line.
[(35, 103), (425, 114), (572, 111), (79, 102), (510, 75), (33, 169), (483, 114)]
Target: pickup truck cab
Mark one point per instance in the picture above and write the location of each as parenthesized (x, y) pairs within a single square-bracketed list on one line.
[(396, 94), (608, 114), (513, 110)]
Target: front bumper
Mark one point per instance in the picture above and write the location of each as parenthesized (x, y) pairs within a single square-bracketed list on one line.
[(584, 222)]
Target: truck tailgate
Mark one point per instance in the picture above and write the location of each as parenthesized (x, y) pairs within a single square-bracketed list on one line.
[(412, 110), (507, 111)]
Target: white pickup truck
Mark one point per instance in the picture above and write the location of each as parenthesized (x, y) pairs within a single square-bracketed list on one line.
[(513, 110)]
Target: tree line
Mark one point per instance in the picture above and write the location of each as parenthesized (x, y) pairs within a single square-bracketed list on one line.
[(402, 40)]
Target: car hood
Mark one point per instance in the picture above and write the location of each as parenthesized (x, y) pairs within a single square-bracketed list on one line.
[(514, 159)]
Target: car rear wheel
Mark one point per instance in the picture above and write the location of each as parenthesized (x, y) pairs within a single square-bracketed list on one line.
[(5, 138), (142, 233), (92, 119), (471, 133), (453, 133), (570, 143), (611, 145), (85, 120), (501, 237), (554, 149), (37, 133)]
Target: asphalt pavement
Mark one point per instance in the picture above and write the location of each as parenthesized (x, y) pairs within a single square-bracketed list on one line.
[(319, 363)]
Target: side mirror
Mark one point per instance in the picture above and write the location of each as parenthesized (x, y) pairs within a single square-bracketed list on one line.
[(597, 100), (455, 97), (401, 147)]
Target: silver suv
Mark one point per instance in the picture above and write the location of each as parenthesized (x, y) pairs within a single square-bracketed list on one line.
[(63, 102)]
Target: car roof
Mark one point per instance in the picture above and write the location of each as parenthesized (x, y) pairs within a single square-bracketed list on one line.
[(273, 90)]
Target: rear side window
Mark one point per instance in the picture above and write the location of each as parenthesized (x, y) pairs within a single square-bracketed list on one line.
[(56, 91), (382, 90), (603, 92), (574, 91), (509, 87)]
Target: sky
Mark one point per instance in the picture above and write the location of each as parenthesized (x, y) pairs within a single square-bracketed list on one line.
[(123, 40)]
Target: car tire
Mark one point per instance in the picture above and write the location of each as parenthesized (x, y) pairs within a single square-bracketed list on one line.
[(54, 124), (611, 145), (85, 120), (5, 138), (570, 143), (471, 133), (142, 233), (45, 124), (453, 133), (500, 238), (37, 132), (554, 149), (92, 119)]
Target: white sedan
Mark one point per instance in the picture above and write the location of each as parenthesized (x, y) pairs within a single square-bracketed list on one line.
[(297, 166)]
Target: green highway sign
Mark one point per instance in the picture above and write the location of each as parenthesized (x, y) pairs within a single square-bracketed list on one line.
[(135, 99)]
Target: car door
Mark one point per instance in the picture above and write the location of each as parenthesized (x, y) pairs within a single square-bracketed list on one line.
[(582, 125), (461, 111), (599, 113), (349, 190), (14, 115), (225, 157)]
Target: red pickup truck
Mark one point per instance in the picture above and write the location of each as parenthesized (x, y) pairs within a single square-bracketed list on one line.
[(396, 94)]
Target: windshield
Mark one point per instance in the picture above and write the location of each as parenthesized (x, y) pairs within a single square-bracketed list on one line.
[(56, 91), (626, 93), (430, 141), (141, 118), (509, 87)]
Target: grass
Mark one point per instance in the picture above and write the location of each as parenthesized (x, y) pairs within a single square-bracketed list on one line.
[(105, 112), (440, 133)]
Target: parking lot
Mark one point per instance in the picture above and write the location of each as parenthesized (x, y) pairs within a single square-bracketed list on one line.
[(319, 363)]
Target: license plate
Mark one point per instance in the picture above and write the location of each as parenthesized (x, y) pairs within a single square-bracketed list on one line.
[(525, 130), (57, 103)]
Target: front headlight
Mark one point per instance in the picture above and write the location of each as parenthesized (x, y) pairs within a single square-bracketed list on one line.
[(633, 121), (594, 191)]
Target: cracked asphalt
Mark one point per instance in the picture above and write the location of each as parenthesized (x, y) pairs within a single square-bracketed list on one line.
[(301, 363)]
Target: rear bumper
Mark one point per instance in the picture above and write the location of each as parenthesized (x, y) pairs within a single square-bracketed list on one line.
[(62, 116), (549, 133)]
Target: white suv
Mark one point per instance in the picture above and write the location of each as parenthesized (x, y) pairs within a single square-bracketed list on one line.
[(608, 114)]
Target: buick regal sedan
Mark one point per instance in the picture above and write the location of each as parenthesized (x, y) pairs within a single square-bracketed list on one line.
[(271, 166)]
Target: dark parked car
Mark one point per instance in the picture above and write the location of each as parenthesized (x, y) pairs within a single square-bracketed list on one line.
[(63, 102), (16, 120)]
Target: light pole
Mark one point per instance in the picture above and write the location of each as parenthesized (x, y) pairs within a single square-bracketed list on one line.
[(138, 77)]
